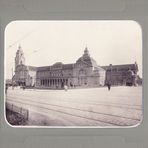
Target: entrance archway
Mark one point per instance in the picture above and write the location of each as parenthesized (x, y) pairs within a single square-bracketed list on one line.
[(82, 79)]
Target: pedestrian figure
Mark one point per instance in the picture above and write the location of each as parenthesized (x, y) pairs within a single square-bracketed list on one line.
[(71, 85), (109, 86), (62, 85), (24, 87), (65, 87)]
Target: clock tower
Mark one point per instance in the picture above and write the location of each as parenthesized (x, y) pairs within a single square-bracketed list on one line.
[(19, 58)]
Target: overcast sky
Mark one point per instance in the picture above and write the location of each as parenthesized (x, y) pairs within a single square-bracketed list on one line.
[(47, 42)]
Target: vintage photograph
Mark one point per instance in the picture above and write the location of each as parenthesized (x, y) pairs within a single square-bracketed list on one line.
[(73, 74)]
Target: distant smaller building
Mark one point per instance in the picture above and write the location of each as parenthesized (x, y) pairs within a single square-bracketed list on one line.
[(121, 74)]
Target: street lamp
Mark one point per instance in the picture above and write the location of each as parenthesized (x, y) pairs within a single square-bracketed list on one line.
[(12, 77)]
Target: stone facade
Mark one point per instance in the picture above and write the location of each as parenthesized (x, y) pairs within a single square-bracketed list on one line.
[(24, 75), (83, 73), (121, 74)]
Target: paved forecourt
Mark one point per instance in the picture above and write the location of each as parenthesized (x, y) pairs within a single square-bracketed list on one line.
[(122, 106)]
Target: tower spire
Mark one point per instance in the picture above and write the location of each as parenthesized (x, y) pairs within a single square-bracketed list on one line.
[(86, 52), (19, 58), (19, 47)]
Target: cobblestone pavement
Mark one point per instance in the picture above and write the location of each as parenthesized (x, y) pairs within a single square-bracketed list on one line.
[(121, 106)]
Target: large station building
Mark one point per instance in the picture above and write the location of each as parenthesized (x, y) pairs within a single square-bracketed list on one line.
[(85, 72)]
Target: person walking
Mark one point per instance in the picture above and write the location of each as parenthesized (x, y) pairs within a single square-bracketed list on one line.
[(65, 87), (109, 86)]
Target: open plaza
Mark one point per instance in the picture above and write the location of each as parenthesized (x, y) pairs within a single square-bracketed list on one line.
[(121, 106)]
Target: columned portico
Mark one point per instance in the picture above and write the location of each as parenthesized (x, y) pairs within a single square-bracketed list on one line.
[(53, 83)]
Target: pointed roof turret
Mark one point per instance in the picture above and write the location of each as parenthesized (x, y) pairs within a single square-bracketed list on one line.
[(86, 52), (19, 47)]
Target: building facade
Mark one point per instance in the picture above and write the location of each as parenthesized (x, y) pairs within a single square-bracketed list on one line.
[(121, 74), (85, 72)]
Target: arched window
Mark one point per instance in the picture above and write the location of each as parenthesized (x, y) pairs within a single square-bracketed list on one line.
[(82, 72)]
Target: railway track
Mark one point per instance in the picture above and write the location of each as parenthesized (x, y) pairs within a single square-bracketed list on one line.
[(81, 113), (102, 103)]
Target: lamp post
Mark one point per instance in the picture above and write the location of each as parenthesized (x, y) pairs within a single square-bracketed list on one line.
[(12, 76)]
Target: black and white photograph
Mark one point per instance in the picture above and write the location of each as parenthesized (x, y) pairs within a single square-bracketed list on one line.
[(76, 73)]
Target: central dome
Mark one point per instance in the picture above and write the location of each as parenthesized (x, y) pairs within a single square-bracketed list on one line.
[(85, 58)]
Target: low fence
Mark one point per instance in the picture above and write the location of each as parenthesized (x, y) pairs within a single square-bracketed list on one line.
[(23, 112)]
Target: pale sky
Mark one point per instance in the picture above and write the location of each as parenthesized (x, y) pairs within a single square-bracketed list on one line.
[(47, 42)]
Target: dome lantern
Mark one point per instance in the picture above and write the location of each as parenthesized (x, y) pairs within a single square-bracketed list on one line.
[(86, 52)]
